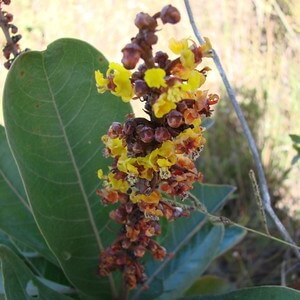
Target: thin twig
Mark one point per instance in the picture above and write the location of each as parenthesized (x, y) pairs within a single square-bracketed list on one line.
[(258, 200), (221, 219), (252, 145)]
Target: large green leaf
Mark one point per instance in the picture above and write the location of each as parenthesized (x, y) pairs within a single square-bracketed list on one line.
[(257, 293), (54, 119), (186, 231), (16, 218), (190, 262), (20, 283)]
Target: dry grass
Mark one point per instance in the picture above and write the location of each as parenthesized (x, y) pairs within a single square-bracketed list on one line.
[(258, 42)]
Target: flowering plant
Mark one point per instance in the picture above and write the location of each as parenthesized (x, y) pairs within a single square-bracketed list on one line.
[(65, 234)]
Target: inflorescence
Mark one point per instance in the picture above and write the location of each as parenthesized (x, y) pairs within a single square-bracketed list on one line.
[(153, 158)]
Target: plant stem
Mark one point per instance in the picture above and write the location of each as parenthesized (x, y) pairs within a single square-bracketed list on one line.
[(252, 145)]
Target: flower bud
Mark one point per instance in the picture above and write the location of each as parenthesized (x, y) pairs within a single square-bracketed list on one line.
[(7, 64), (6, 52), (146, 134), (139, 251), (9, 17), (126, 244), (161, 58), (115, 130), (140, 88), (7, 2), (143, 21), (13, 28), (174, 118), (16, 38), (162, 134), (150, 38), (170, 14), (131, 55), (137, 148), (129, 127)]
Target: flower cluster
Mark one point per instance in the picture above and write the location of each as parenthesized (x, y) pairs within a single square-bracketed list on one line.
[(12, 46), (152, 157)]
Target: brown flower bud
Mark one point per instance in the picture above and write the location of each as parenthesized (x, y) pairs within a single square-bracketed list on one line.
[(7, 64), (115, 130), (137, 148), (150, 38), (146, 134), (16, 38), (139, 251), (129, 127), (143, 21), (131, 55), (13, 28), (161, 58), (6, 52), (174, 118), (170, 14), (9, 17), (162, 134), (7, 2), (140, 88)]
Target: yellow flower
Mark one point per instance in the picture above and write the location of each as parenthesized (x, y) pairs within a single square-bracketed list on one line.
[(195, 80), (145, 168), (154, 197), (162, 106), (118, 184), (121, 78), (115, 145), (155, 77), (128, 165), (164, 156), (174, 93), (178, 46), (206, 48), (100, 174), (187, 58), (101, 82), (189, 140)]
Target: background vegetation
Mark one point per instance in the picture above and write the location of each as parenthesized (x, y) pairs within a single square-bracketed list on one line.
[(258, 42)]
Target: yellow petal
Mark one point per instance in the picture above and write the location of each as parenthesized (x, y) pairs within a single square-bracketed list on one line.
[(196, 79), (178, 46), (101, 82), (162, 106), (100, 174), (187, 58), (155, 77)]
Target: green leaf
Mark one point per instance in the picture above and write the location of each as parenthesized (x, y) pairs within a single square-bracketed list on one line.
[(182, 232), (16, 219), (208, 285), (5, 240), (190, 262), (233, 235), (20, 283), (257, 293), (295, 138), (54, 120)]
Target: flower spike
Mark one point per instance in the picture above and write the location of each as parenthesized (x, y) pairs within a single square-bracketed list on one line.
[(153, 158)]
